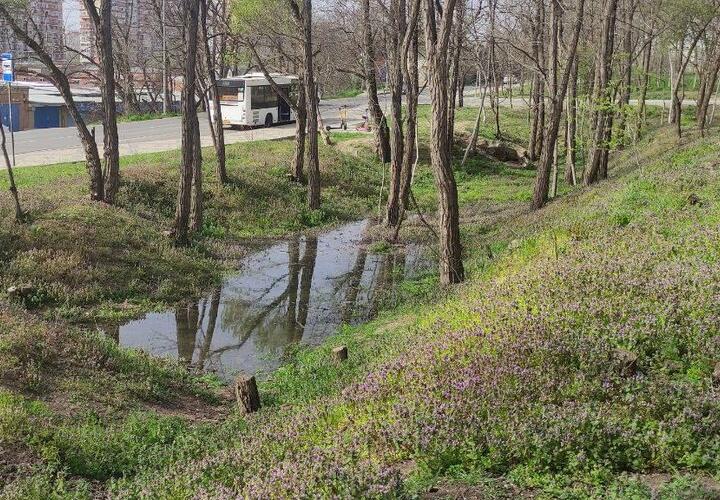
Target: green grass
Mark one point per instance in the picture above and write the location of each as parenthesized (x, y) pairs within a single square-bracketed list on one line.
[(630, 264), (92, 262)]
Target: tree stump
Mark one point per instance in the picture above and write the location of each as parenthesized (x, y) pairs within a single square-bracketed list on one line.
[(716, 375), (627, 362), (340, 354), (246, 392)]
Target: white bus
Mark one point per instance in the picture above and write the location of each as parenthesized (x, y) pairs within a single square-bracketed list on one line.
[(250, 101)]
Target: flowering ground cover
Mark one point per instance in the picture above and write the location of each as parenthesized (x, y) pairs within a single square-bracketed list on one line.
[(577, 362)]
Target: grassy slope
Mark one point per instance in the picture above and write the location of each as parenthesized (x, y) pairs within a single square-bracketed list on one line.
[(517, 380), (71, 402), (94, 262), (614, 267)]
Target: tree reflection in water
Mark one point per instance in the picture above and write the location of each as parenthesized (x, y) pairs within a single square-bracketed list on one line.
[(299, 291)]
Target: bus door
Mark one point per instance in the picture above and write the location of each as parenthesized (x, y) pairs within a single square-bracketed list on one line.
[(283, 108)]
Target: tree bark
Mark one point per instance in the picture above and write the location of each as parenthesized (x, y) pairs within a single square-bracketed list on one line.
[(196, 202), (571, 149), (627, 72), (247, 395), (438, 28), (397, 145), (411, 100), (540, 195), (298, 164), (455, 71), (493, 69), (375, 113), (602, 94), (677, 103), (189, 126), (537, 123), (709, 84), (647, 59), (216, 124), (313, 159), (102, 23)]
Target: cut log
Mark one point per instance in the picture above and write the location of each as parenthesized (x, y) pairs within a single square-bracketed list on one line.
[(246, 392), (340, 354), (627, 362)]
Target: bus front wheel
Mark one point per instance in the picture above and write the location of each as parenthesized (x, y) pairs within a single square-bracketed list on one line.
[(268, 120)]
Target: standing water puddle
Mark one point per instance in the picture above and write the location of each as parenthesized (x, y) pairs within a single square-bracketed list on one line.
[(298, 291)]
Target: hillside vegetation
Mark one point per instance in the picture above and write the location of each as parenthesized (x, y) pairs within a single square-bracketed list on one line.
[(576, 362)]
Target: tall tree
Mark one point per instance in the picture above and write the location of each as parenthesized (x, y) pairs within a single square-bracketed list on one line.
[(102, 24), (537, 98), (28, 33), (216, 121), (602, 123), (190, 132), (311, 101), (397, 28), (558, 93), (376, 115), (438, 23), (411, 72)]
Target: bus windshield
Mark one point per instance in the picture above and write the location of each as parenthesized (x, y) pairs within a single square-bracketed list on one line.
[(231, 91)]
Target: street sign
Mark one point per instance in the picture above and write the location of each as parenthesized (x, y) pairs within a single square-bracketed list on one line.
[(7, 66)]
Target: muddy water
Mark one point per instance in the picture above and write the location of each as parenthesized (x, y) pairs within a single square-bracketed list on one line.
[(298, 291)]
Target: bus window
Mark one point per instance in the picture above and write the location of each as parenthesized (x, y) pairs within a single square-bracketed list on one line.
[(228, 94), (263, 96), (231, 91)]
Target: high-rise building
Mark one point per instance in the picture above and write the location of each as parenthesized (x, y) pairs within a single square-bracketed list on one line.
[(44, 19), (130, 18)]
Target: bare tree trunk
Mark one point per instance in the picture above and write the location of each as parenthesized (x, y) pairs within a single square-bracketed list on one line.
[(189, 126), (411, 99), (298, 165), (571, 150), (602, 94), (92, 157), (537, 124), (376, 116), (196, 203), (540, 195), (677, 103), (437, 33), (627, 71), (684, 60), (392, 213), (493, 69), (102, 23), (709, 83), (555, 30), (313, 160), (216, 124), (455, 71), (461, 91), (647, 58)]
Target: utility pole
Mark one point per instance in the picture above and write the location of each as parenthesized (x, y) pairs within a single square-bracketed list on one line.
[(164, 62), (10, 122), (8, 77)]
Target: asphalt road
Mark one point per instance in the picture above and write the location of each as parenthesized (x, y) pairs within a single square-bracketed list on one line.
[(48, 146)]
